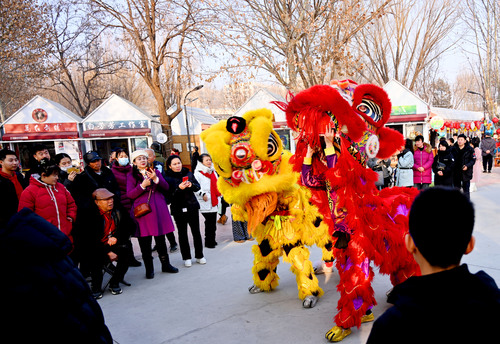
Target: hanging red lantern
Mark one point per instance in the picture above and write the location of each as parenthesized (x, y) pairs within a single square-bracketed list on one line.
[(447, 124), (456, 125), (498, 131), (467, 125), (478, 124), (495, 120)]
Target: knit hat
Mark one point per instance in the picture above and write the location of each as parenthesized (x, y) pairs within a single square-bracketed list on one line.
[(137, 153)]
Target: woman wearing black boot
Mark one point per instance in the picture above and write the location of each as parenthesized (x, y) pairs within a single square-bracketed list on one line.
[(144, 185)]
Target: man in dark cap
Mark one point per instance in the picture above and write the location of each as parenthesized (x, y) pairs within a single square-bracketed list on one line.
[(105, 233)]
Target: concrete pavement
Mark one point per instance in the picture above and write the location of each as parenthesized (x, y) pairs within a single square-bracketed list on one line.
[(211, 304)]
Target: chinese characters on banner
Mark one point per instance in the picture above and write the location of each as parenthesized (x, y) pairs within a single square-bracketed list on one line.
[(116, 125)]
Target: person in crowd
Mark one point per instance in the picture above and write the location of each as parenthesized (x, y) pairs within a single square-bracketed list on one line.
[(451, 141), (46, 300), (404, 171), (185, 208), (12, 184), (487, 146), (112, 157), (455, 138), (121, 168), (174, 151), (476, 170), (159, 166), (381, 167), (108, 230), (208, 197), (465, 158), (447, 295), (38, 152), (195, 156), (222, 212), (50, 199), (422, 166), (156, 147), (153, 162), (66, 177), (443, 165), (93, 177), (144, 185)]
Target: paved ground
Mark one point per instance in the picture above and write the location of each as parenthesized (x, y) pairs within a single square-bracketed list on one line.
[(210, 303)]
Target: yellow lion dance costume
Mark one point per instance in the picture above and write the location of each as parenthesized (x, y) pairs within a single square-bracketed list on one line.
[(256, 178)]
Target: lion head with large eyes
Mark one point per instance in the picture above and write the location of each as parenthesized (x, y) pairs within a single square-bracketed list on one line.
[(248, 155)]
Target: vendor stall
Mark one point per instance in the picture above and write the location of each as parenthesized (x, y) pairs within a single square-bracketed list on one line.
[(42, 121), (118, 123)]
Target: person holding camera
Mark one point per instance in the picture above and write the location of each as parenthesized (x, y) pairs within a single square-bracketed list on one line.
[(145, 187), (443, 165)]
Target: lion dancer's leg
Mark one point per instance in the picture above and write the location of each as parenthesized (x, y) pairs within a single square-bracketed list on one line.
[(356, 293), (266, 259), (307, 283)]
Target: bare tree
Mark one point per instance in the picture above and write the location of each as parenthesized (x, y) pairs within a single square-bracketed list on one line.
[(82, 59), (160, 36), (466, 80), (482, 18), (408, 41), (24, 45), (299, 42)]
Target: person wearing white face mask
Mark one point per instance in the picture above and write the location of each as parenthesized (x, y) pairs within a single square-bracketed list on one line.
[(121, 168)]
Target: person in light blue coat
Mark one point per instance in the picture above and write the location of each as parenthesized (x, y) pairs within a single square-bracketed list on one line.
[(404, 172)]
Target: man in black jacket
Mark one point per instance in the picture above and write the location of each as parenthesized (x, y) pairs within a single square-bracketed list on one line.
[(487, 145), (45, 298), (104, 238), (447, 304), (464, 157), (12, 184)]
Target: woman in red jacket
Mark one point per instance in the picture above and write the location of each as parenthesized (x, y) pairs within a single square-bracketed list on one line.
[(422, 163), (50, 199)]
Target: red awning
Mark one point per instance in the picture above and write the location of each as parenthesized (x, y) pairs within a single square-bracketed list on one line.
[(60, 135), (407, 118), (113, 133)]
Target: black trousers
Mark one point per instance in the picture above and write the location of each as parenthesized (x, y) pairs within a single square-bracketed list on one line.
[(191, 217), (223, 206), (487, 162), (96, 265), (210, 229), (145, 245), (459, 183)]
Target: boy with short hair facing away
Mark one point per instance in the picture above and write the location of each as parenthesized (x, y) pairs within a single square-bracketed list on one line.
[(447, 303)]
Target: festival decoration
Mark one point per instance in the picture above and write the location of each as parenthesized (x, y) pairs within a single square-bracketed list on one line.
[(436, 122), (256, 178)]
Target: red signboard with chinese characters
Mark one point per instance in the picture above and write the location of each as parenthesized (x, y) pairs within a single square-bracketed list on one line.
[(40, 128)]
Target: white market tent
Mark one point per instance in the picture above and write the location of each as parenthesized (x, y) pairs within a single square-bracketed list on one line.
[(262, 99), (196, 118), (456, 115)]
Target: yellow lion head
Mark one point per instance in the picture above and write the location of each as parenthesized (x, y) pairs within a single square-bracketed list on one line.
[(248, 156)]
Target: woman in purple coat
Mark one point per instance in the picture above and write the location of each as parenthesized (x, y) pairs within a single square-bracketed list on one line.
[(422, 163), (145, 183)]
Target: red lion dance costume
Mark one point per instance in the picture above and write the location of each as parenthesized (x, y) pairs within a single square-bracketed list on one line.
[(368, 225)]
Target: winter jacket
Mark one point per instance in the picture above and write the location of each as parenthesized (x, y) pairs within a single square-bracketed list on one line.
[(463, 157), (404, 172), (54, 203), (181, 199), (63, 179), (423, 158), (205, 207), (443, 307), (88, 181), (46, 299), (121, 173), (158, 221), (487, 144), (8, 200), (443, 157)]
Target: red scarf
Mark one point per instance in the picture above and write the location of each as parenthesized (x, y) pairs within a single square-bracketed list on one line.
[(15, 181), (109, 226), (214, 192)]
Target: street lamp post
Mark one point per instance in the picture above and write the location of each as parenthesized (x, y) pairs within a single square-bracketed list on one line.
[(186, 117), (484, 109)]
